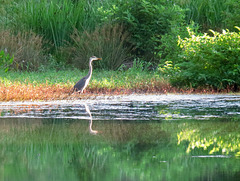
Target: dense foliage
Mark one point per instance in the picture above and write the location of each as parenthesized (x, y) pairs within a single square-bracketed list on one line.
[(209, 60), (67, 32), (146, 21)]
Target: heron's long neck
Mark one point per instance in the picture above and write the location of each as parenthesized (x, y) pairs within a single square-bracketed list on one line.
[(90, 69)]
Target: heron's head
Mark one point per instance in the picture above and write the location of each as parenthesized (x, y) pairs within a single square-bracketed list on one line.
[(95, 58)]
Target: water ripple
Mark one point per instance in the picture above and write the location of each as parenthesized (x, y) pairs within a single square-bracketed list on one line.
[(132, 107)]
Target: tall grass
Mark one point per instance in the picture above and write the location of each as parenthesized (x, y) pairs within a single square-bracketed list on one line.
[(4, 15), (232, 14), (207, 13), (52, 19), (108, 42), (55, 20)]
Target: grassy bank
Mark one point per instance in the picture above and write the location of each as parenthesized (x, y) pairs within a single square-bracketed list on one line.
[(57, 85), (51, 85)]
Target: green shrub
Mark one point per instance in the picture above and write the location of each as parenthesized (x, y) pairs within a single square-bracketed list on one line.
[(168, 49), (146, 21), (168, 69), (5, 60), (212, 61), (107, 42)]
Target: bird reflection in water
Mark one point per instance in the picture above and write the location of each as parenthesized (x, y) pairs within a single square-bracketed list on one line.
[(94, 132)]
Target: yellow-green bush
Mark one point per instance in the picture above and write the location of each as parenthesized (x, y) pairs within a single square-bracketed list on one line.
[(212, 61)]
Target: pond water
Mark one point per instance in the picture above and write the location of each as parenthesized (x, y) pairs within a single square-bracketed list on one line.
[(135, 137)]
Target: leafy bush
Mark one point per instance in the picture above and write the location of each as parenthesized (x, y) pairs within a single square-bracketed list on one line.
[(26, 49), (153, 25), (146, 21), (168, 69), (107, 42), (168, 49), (5, 60), (210, 60)]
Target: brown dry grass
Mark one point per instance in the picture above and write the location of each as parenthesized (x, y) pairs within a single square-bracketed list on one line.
[(23, 92), (27, 49)]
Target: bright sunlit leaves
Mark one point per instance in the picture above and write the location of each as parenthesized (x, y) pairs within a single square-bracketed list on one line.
[(224, 144)]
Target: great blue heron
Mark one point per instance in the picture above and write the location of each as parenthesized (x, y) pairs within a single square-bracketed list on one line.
[(82, 84)]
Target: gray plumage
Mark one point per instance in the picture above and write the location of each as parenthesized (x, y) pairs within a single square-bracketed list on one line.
[(82, 83)]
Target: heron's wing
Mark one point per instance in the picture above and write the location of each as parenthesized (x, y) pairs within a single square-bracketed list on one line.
[(80, 84)]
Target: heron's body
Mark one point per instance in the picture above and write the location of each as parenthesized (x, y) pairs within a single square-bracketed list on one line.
[(82, 83)]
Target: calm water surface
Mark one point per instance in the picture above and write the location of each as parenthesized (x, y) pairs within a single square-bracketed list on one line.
[(136, 137)]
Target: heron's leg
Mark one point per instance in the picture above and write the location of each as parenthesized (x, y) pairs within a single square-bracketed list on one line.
[(79, 91)]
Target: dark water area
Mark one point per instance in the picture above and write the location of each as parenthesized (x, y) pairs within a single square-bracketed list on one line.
[(135, 137)]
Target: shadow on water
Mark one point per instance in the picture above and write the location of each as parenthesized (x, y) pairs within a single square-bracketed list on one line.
[(130, 138)]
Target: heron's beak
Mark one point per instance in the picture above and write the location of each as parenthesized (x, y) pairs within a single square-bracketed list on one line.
[(99, 58)]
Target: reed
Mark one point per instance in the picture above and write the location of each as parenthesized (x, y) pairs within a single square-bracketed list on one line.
[(55, 20), (207, 13)]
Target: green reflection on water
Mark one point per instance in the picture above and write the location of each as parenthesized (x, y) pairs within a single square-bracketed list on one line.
[(64, 149), (217, 138)]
